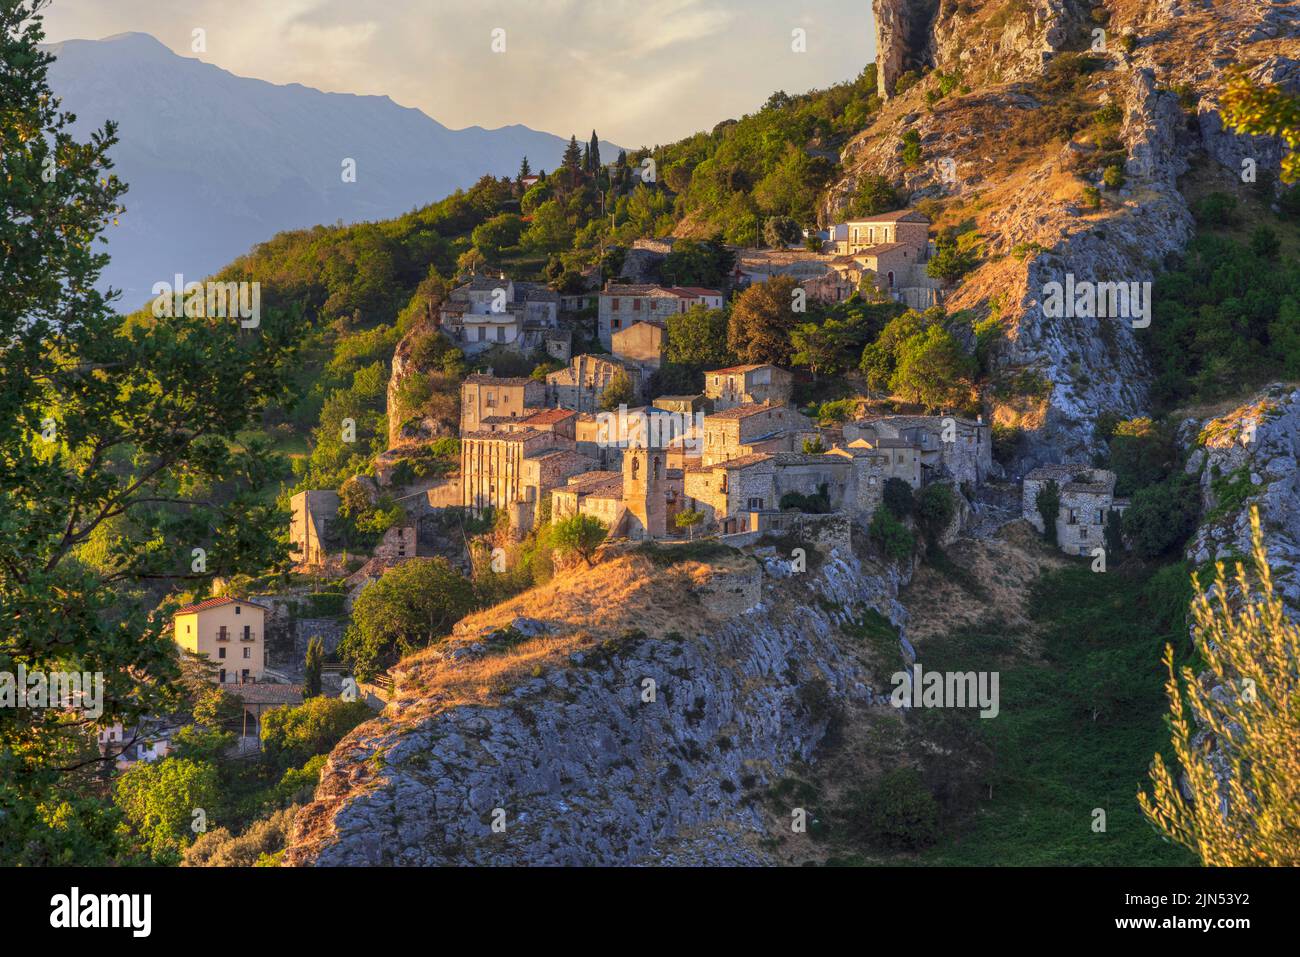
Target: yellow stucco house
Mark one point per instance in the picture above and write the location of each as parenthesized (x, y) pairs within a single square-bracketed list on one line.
[(230, 632)]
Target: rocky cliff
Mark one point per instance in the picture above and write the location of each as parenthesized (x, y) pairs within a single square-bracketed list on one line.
[(1248, 458), (638, 714), (1017, 128)]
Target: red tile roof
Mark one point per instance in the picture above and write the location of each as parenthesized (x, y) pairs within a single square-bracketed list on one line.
[(547, 416), (215, 603)]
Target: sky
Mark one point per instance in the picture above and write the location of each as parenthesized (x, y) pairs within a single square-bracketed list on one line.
[(640, 72)]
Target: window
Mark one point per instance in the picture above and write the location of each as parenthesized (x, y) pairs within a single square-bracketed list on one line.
[(613, 305), (248, 652), (1083, 532), (248, 632), (221, 652), (223, 634), (636, 305), (244, 675), (755, 505), (237, 609), (221, 676)]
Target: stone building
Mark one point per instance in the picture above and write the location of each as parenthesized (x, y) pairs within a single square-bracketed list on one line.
[(747, 385), (488, 312), (482, 396), (581, 385), (491, 466), (950, 447), (727, 492), (905, 227), (1087, 498), (652, 494), (598, 494), (310, 516), (644, 342), (741, 429), (894, 248), (539, 475), (621, 306), (229, 632)]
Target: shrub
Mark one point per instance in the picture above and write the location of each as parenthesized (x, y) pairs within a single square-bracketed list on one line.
[(1162, 516), (892, 536), (897, 497), (898, 813), (936, 506), (292, 735), (1217, 209), (1048, 502)]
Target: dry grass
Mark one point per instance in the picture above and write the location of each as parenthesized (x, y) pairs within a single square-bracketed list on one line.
[(1005, 566), (583, 607)]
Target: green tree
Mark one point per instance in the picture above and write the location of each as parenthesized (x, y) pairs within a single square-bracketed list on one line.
[(891, 535), (413, 604), (688, 519), (617, 392), (694, 262), (1048, 503), (932, 369), (159, 801), (875, 195), (593, 154), (1240, 810), (549, 231), (698, 338), (312, 666), (897, 497), (936, 505), (498, 233), (108, 427), (1265, 111), (823, 348), (762, 319), (1162, 516), (293, 734), (581, 534)]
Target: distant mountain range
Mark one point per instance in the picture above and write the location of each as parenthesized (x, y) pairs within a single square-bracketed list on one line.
[(217, 163)]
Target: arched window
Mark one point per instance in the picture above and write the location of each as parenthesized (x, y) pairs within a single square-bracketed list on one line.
[(636, 467)]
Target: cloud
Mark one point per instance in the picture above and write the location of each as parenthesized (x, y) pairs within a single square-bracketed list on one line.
[(639, 71)]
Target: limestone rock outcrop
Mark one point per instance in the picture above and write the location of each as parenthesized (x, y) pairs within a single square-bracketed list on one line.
[(652, 745)]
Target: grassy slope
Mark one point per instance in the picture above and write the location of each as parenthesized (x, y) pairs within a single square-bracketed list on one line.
[(1099, 640)]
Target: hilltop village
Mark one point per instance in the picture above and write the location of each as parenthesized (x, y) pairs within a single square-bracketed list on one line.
[(595, 438), (734, 460)]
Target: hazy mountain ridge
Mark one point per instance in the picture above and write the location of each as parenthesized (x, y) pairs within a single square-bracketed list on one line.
[(218, 162)]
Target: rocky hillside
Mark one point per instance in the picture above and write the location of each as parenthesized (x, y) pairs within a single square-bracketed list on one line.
[(1248, 458), (1016, 127), (538, 715)]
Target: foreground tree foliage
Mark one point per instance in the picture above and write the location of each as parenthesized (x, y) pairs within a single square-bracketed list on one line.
[(1252, 732), (118, 452)]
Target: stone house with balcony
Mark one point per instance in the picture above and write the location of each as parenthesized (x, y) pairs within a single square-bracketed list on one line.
[(486, 312), (229, 632)]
